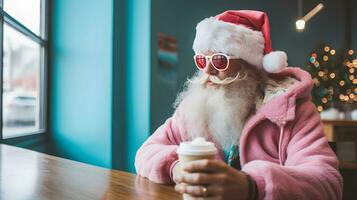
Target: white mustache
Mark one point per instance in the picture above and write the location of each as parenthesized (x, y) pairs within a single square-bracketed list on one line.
[(214, 79)]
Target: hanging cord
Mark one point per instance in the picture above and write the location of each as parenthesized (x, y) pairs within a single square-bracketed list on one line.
[(299, 9), (280, 148)]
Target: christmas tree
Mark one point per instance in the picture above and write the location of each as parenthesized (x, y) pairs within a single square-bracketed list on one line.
[(334, 76)]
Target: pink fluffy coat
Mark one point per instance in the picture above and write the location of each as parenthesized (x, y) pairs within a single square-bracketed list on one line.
[(283, 147)]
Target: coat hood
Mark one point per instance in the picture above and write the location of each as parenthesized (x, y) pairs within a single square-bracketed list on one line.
[(282, 92)]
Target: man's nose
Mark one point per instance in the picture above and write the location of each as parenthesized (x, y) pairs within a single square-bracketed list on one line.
[(210, 69)]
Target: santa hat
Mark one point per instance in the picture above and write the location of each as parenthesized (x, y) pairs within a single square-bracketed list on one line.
[(244, 34)]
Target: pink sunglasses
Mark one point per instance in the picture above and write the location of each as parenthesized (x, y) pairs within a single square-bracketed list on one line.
[(219, 61)]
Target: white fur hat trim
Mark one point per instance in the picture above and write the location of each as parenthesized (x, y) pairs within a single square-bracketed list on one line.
[(275, 61)]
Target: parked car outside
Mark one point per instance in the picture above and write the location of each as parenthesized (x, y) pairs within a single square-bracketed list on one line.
[(19, 109)]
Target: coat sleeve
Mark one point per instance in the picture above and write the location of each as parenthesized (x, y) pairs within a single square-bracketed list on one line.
[(157, 156), (310, 170)]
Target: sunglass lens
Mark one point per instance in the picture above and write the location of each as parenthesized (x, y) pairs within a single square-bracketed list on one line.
[(200, 61), (220, 61)]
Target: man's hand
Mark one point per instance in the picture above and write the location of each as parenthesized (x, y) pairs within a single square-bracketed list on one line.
[(212, 178)]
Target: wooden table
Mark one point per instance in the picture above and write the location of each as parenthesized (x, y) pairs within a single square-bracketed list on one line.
[(27, 175)]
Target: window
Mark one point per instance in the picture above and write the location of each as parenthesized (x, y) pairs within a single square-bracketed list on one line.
[(23, 51)]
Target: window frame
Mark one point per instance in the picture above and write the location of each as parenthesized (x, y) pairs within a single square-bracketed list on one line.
[(43, 41)]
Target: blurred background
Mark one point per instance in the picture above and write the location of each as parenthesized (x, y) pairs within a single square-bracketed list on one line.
[(91, 80)]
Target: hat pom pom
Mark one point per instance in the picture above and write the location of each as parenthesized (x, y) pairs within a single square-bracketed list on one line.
[(275, 61)]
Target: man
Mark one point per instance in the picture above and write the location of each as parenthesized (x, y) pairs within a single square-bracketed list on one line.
[(258, 113)]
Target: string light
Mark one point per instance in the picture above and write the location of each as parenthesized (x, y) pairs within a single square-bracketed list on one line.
[(321, 73), (312, 59), (345, 62), (316, 81), (341, 96), (350, 52), (347, 98), (331, 92), (328, 72), (349, 64), (354, 62)]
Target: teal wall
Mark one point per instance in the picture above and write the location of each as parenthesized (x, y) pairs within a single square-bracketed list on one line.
[(138, 77), (100, 81), (81, 80)]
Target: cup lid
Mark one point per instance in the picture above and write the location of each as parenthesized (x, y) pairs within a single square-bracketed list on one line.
[(198, 146)]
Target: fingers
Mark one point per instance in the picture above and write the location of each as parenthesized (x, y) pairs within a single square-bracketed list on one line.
[(199, 190), (205, 166), (200, 178), (176, 171)]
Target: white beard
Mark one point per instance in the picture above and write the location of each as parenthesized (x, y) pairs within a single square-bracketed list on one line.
[(218, 112)]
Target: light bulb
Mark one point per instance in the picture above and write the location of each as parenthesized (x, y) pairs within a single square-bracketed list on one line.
[(300, 25)]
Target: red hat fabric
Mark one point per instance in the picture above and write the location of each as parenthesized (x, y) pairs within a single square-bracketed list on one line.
[(241, 33)]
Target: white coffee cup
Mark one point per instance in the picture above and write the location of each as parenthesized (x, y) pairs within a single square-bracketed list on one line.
[(196, 149)]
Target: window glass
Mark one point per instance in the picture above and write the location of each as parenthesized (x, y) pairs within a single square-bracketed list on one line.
[(27, 12), (21, 83)]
